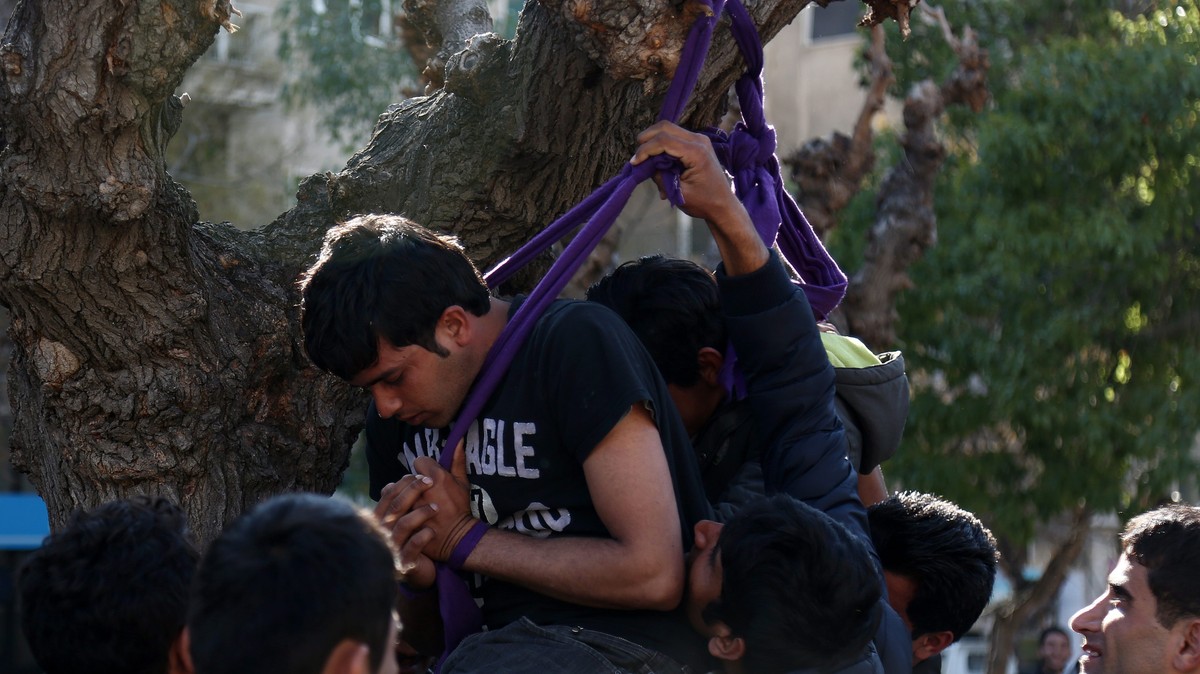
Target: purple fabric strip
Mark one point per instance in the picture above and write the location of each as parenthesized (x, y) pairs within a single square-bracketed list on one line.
[(748, 153), (466, 545), (461, 616), (691, 61), (547, 290)]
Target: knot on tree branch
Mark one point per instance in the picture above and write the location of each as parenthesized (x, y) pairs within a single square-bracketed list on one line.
[(435, 30), (819, 171), (468, 73), (53, 362), (126, 197), (631, 39), (922, 106)]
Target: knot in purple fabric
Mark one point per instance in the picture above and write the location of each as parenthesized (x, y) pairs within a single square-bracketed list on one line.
[(751, 162)]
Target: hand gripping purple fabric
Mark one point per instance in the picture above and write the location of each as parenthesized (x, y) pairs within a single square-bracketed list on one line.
[(758, 186)]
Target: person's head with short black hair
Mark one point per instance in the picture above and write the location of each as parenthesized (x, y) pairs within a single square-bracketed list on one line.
[(940, 564), (301, 584), (382, 277), (108, 593), (674, 308), (1167, 542), (1054, 650), (1049, 632), (1147, 621), (672, 305), (782, 586)]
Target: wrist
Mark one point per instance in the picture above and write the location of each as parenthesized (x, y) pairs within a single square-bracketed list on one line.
[(465, 544)]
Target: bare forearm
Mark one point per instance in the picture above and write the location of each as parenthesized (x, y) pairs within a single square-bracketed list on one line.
[(600, 572), (740, 247)]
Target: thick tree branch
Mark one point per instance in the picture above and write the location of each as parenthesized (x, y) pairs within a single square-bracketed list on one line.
[(906, 225)]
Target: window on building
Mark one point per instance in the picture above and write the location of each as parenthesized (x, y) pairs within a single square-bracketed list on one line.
[(839, 19)]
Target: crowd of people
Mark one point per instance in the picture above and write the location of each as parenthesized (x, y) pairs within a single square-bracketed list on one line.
[(616, 506)]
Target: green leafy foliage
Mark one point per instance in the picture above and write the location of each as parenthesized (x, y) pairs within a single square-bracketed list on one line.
[(354, 65), (1053, 336)]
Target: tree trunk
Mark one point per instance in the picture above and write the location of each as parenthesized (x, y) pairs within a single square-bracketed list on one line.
[(905, 222), (1029, 598), (828, 174), (157, 354)]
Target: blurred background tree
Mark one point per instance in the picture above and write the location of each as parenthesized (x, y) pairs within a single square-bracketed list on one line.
[(356, 60), (1053, 335)]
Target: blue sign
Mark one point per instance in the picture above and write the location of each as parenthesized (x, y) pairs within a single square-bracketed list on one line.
[(24, 522)]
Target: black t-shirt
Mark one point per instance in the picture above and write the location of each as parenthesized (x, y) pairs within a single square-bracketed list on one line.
[(576, 376)]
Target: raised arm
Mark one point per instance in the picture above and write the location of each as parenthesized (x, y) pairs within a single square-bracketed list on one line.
[(707, 194)]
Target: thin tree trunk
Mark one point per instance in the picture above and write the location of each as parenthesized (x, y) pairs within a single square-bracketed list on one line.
[(1029, 598), (905, 222)]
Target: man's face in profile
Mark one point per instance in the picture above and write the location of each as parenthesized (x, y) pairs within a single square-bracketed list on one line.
[(1121, 632)]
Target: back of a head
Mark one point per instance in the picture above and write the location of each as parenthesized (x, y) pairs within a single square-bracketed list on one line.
[(382, 276), (797, 586), (1166, 541), (672, 305), (284, 584), (108, 593), (945, 550)]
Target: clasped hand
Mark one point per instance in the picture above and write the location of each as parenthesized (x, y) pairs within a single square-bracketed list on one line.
[(427, 514)]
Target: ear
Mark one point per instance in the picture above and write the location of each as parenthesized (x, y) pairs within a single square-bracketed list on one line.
[(1187, 658), (348, 657), (930, 644), (705, 534), (455, 325), (724, 646), (179, 657), (710, 362)]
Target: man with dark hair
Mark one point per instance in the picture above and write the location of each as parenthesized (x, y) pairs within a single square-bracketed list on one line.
[(782, 587), (939, 562), (1148, 621), (301, 584), (583, 491), (789, 583), (675, 308), (1053, 653), (108, 593)]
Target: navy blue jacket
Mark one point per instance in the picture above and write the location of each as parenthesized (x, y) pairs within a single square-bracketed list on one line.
[(790, 388)]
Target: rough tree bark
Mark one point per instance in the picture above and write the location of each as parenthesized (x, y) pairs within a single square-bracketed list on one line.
[(157, 354), (829, 174)]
